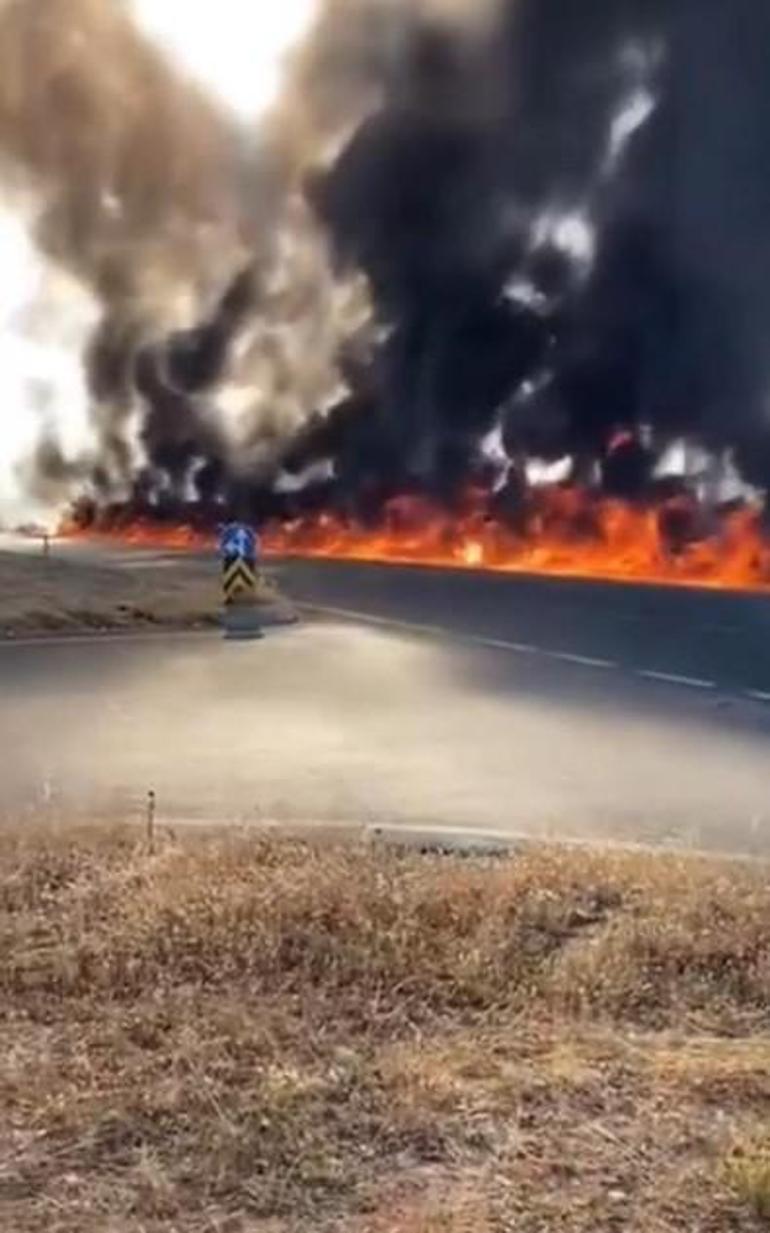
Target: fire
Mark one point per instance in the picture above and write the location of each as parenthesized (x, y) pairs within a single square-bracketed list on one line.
[(568, 534), (563, 532)]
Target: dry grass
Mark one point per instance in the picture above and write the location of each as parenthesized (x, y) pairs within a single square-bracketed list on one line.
[(748, 1172), (232, 1034), (62, 593)]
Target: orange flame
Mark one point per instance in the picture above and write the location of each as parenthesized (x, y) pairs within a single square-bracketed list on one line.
[(569, 533)]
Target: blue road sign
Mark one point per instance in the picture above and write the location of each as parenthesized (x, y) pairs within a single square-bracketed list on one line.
[(238, 542)]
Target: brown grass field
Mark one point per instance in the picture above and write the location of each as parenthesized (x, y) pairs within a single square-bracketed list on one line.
[(63, 594), (233, 1034)]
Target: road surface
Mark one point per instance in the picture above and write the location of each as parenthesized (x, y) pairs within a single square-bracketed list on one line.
[(520, 708), (708, 639)]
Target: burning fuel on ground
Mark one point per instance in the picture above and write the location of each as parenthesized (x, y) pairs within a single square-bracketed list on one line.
[(486, 285)]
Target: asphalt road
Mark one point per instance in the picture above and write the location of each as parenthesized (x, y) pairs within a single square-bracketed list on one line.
[(500, 715), (708, 639)]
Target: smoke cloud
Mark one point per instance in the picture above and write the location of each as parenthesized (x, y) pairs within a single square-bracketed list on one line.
[(132, 166), (168, 210), (565, 227), (517, 220)]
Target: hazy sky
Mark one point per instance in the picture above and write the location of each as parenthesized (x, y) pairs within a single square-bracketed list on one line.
[(234, 47)]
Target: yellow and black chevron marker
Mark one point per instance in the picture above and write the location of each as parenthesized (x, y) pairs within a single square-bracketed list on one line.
[(240, 581), (239, 550)]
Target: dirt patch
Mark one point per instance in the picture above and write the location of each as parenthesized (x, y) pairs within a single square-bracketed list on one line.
[(65, 593), (237, 1034)]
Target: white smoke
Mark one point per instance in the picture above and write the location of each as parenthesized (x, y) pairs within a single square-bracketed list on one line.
[(134, 121), (46, 319), (235, 50)]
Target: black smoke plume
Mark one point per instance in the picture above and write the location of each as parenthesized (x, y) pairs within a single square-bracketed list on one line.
[(443, 198), (564, 224)]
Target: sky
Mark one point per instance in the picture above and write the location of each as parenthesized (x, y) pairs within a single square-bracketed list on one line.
[(234, 48)]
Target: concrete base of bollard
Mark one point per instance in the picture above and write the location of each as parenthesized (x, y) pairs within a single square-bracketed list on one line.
[(241, 623)]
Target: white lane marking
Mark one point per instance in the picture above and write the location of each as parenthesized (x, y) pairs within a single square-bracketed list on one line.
[(414, 627), (523, 648), (349, 614), (526, 648), (671, 678), (585, 661), (520, 648), (495, 644), (499, 644)]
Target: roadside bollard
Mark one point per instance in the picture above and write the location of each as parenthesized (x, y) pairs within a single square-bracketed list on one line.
[(239, 549)]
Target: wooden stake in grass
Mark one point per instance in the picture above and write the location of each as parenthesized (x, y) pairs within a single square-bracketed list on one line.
[(151, 808)]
